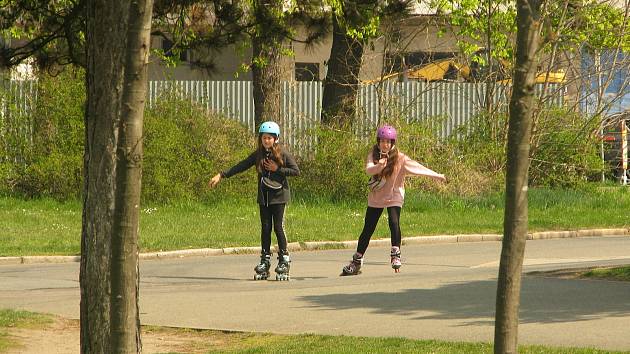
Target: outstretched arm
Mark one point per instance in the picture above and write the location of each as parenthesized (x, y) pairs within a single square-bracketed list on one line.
[(414, 168), (215, 180), (238, 168)]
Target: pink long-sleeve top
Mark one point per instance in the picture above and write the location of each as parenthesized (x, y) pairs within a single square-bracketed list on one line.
[(393, 192)]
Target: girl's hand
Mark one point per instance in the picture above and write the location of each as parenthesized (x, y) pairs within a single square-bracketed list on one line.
[(214, 181), (383, 162), (270, 165), (443, 178)]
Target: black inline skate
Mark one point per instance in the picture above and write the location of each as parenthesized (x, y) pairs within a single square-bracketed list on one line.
[(354, 268), (284, 264), (262, 269)]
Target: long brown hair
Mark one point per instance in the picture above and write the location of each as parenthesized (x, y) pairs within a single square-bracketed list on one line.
[(392, 158), (275, 154)]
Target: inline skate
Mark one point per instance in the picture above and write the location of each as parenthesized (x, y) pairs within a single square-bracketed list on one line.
[(262, 269), (354, 268), (395, 259), (284, 264)]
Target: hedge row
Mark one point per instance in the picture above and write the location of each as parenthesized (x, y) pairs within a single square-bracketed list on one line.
[(185, 146)]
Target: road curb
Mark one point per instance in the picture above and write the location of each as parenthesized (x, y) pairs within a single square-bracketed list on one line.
[(325, 245)]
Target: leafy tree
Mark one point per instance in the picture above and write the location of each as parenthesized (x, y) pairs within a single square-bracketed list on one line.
[(265, 26), (354, 24), (71, 32), (522, 106), (51, 31)]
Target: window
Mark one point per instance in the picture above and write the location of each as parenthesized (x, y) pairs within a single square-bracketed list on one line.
[(306, 71), (609, 70), (167, 47)]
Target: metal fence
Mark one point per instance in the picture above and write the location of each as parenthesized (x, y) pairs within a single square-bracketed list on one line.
[(17, 103), (454, 103)]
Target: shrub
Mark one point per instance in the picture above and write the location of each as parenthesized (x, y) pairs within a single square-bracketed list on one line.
[(52, 164), (184, 147), (335, 171), (466, 171), (564, 153)]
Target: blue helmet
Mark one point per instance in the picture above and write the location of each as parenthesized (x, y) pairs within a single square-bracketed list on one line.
[(269, 128)]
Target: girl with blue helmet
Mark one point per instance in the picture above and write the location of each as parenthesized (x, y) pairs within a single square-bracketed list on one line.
[(274, 165)]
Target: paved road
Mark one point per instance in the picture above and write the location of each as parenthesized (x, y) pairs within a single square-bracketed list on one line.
[(445, 291)]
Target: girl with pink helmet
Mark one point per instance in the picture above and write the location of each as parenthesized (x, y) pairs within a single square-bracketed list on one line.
[(388, 168)]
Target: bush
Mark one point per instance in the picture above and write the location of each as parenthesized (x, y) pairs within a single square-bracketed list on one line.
[(564, 153), (52, 164), (336, 169), (184, 147), (463, 160)]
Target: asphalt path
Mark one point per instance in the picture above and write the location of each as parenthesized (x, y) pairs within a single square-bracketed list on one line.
[(444, 291)]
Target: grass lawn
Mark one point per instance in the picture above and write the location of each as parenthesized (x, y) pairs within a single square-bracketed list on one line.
[(20, 319), (47, 227), (262, 343), (617, 273), (212, 341)]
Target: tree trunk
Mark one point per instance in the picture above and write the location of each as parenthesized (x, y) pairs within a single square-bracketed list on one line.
[(268, 65), (125, 319), (266, 80), (341, 85), (116, 84), (104, 84), (515, 218)]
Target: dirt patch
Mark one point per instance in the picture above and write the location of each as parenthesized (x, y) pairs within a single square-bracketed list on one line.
[(62, 336), (561, 273)]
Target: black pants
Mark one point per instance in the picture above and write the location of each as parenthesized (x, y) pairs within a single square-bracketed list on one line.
[(272, 216), (371, 220)]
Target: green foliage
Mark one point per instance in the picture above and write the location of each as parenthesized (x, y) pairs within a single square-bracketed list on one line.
[(184, 147), (597, 25), (53, 161), (336, 171), (470, 163), (362, 20), (481, 25), (563, 151)]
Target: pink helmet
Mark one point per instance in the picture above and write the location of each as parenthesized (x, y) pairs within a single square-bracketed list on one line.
[(386, 132)]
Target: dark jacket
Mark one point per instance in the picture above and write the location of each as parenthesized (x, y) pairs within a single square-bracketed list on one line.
[(268, 196)]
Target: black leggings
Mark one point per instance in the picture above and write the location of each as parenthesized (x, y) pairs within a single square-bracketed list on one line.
[(272, 216), (371, 220)]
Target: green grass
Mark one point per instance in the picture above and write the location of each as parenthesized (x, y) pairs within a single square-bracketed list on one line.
[(21, 319), (213, 341), (618, 273), (39, 227), (229, 342)]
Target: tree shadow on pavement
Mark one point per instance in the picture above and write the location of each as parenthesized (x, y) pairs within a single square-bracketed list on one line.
[(543, 300)]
